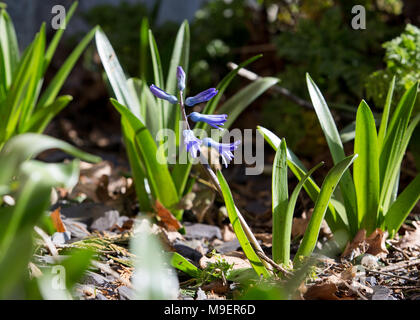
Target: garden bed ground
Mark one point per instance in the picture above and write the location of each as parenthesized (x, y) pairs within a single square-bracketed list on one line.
[(99, 213)]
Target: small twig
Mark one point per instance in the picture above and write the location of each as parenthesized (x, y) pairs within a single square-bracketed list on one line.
[(355, 289), (276, 266), (397, 249), (283, 91), (392, 275), (47, 241), (405, 287), (405, 264), (286, 93), (107, 269)]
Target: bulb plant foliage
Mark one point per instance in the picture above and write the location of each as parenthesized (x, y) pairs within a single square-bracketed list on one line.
[(24, 106), (29, 182), (368, 198), (149, 106)]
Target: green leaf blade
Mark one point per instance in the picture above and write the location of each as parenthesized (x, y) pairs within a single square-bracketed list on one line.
[(234, 220), (241, 100), (401, 208), (337, 151), (57, 82), (157, 171), (366, 168), (336, 220), (330, 183), (280, 195)]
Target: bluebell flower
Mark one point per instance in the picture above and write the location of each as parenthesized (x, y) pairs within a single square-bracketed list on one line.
[(163, 95), (204, 96), (191, 142), (214, 120), (224, 149), (180, 75)]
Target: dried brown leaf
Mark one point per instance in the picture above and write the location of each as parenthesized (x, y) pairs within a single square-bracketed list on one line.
[(411, 239), (168, 220), (56, 220), (216, 287), (325, 291), (300, 224), (322, 291), (374, 244)]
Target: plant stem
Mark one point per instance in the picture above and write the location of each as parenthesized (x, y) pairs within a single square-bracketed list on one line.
[(204, 163)]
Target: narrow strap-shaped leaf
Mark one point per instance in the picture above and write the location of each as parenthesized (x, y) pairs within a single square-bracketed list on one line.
[(290, 210), (280, 195), (9, 49), (137, 169), (336, 219), (157, 172), (144, 43), (10, 110), (35, 81), (348, 132), (385, 115), (401, 208), (42, 117), (25, 146), (36, 178), (336, 148), (237, 227), (180, 263), (398, 125), (149, 109), (221, 87), (57, 37), (180, 57), (366, 168), (57, 82), (388, 189), (242, 99), (115, 73), (312, 231), (156, 62), (153, 277), (158, 75)]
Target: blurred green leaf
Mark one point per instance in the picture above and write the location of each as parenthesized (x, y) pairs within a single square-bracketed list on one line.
[(57, 82), (153, 279)]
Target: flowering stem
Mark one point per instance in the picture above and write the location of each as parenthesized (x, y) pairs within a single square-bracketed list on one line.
[(184, 114), (204, 163)]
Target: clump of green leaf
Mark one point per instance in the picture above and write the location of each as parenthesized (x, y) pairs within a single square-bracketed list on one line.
[(29, 183), (23, 107), (369, 199), (143, 116)]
